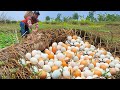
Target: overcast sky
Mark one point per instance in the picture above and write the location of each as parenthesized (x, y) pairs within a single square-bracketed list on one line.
[(18, 15)]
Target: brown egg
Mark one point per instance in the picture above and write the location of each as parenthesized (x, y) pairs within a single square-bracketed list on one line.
[(78, 45), (74, 37), (74, 50), (113, 71), (94, 63), (103, 66), (97, 72), (69, 55), (108, 61), (84, 62), (67, 59), (54, 49), (88, 45), (47, 51), (81, 67), (104, 52), (54, 68), (77, 73), (40, 59), (42, 74)]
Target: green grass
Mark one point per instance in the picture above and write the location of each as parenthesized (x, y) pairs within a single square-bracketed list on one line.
[(8, 35)]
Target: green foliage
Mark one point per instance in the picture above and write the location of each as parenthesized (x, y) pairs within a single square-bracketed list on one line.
[(75, 16)]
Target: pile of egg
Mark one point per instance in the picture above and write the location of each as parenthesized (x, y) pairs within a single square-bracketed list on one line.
[(73, 59)]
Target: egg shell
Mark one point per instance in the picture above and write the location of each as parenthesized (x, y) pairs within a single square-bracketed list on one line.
[(75, 58), (91, 66), (97, 64), (34, 52), (111, 64), (78, 78), (28, 55), (63, 49), (47, 68), (33, 60), (86, 68), (66, 73), (117, 65), (41, 63), (75, 68), (60, 43), (89, 77), (69, 37), (58, 63), (73, 40), (37, 56), (88, 73), (56, 74), (38, 52), (50, 64)]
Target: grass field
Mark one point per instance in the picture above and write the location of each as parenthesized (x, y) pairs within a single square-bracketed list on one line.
[(10, 32)]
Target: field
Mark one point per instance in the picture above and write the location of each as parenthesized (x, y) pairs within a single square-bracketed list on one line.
[(10, 33)]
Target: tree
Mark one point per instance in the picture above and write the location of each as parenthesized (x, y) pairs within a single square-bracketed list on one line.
[(47, 18), (75, 16), (58, 18), (91, 16)]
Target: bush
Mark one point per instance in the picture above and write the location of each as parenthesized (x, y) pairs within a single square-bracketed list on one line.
[(85, 22), (75, 22)]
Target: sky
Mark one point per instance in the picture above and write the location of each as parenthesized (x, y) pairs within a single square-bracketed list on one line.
[(19, 15)]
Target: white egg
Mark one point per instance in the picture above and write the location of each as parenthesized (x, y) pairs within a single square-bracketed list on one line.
[(35, 69), (81, 42), (60, 43), (60, 56), (54, 44), (41, 63), (47, 68), (66, 73), (37, 56), (46, 62), (78, 40), (111, 58), (78, 78), (117, 69), (89, 52), (75, 67), (116, 61), (58, 51), (82, 57), (117, 65), (102, 56), (89, 77), (97, 64), (88, 73), (50, 64), (59, 47), (91, 66), (107, 69), (28, 56), (97, 54), (109, 53), (23, 62), (111, 64), (50, 48), (58, 63), (106, 64), (72, 64), (75, 58), (82, 47), (44, 56), (108, 56), (63, 49), (56, 74), (73, 40), (69, 37), (86, 49), (34, 52), (65, 68), (38, 52), (33, 60), (86, 68)]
